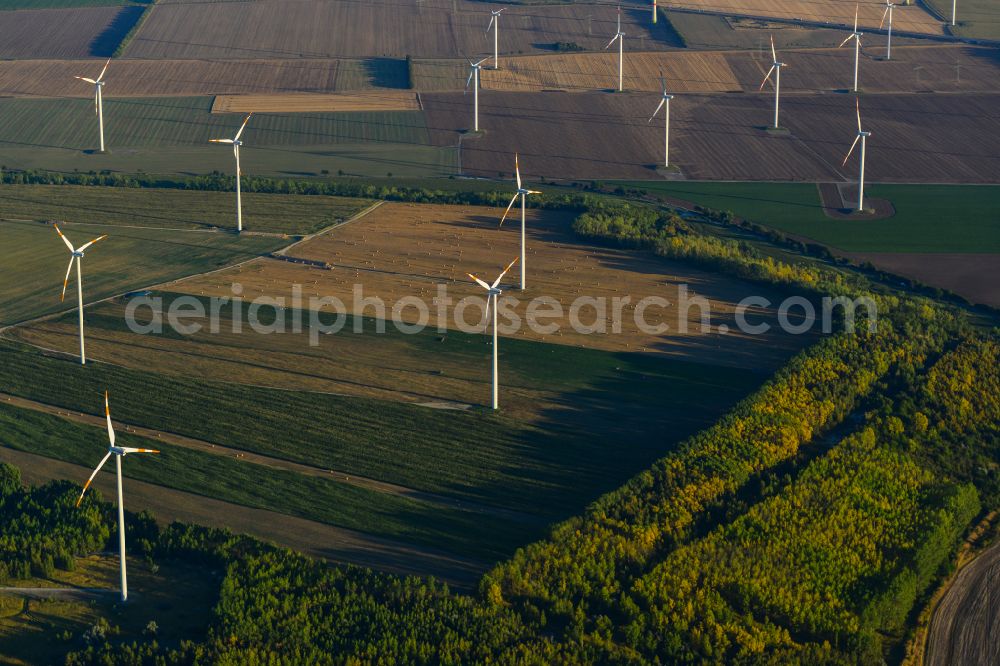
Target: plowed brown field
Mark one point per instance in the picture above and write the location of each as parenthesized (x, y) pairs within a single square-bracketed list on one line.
[(80, 32), (383, 28), (916, 138)]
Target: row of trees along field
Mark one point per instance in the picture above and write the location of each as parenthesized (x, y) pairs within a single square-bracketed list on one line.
[(608, 586)]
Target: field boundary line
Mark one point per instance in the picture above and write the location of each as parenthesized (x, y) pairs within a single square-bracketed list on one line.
[(336, 225)]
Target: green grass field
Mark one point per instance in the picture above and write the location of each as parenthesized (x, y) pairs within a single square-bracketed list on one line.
[(36, 260), (610, 415), (174, 209), (171, 134), (248, 484), (929, 218), (977, 19), (153, 236)]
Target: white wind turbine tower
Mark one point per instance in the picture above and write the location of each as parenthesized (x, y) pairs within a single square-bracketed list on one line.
[(119, 452), (620, 37), (664, 103), (76, 254), (856, 36), (236, 143), (474, 78), (863, 138), (889, 6), (523, 193), (495, 25), (98, 99), (776, 70), (491, 302)]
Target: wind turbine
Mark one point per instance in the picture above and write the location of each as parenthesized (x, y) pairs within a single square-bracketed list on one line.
[(856, 36), (98, 99), (620, 37), (664, 102), (474, 75), (889, 6), (495, 24), (119, 453), (491, 301), (236, 143), (954, 11), (76, 254), (523, 193), (863, 138), (776, 69)]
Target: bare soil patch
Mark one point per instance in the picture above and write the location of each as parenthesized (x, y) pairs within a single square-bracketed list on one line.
[(973, 276)]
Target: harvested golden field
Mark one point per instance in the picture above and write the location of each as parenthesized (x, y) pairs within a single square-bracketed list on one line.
[(684, 71), (400, 250), (150, 78), (839, 12), (388, 100), (912, 69), (387, 28)]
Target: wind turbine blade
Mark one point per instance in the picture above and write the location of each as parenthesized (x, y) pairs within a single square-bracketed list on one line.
[(221, 141), (242, 127), (64, 239), (884, 14), (533, 191), (100, 77), (766, 78), (663, 83), (849, 152), (619, 18), (488, 27), (612, 41), (849, 38), (857, 106), (507, 212), (500, 277), (107, 414), (66, 280), (658, 107), (469, 82), (856, 7), (86, 79), (128, 449), (481, 283), (517, 171), (99, 238), (93, 474), (481, 62), (774, 53)]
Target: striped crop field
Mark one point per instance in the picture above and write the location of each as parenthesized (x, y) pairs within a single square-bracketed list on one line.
[(383, 100), (180, 121)]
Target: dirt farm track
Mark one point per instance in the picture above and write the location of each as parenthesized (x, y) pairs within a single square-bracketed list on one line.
[(604, 135)]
